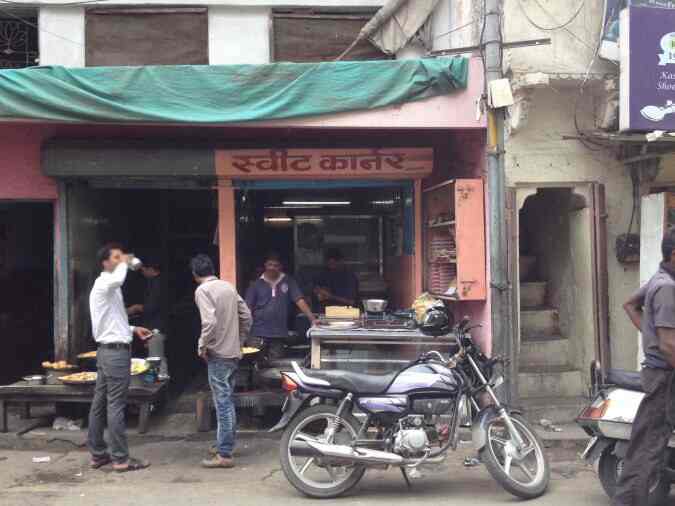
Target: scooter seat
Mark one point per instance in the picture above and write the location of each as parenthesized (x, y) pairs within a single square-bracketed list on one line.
[(354, 382), (630, 380)]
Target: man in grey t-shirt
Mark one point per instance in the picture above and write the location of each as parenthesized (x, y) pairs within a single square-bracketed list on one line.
[(652, 311)]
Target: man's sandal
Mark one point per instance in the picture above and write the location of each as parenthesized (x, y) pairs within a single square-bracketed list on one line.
[(99, 462), (131, 465)]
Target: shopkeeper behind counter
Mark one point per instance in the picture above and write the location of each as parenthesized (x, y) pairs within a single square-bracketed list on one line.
[(270, 299), (336, 285)]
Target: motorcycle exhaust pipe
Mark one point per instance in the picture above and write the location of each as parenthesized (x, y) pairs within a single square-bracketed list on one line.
[(302, 449), (360, 455)]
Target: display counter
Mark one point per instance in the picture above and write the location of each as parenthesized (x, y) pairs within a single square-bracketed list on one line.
[(373, 351)]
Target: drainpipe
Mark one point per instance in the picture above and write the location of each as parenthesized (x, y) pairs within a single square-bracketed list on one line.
[(500, 286)]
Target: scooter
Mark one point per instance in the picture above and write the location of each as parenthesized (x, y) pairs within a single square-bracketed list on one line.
[(608, 419)]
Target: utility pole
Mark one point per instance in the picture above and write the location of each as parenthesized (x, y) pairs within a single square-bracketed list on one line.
[(500, 285)]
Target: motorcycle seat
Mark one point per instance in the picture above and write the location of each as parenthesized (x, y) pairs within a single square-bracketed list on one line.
[(358, 383), (630, 380)]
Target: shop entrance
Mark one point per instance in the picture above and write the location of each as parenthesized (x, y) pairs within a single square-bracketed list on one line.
[(163, 227), (370, 226), (26, 275)]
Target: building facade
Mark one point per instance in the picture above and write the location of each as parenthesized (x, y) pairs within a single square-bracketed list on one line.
[(162, 187)]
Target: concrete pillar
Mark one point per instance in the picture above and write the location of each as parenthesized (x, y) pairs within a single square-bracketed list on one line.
[(239, 35), (61, 36)]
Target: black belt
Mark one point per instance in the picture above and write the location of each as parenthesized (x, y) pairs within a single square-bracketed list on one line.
[(115, 346)]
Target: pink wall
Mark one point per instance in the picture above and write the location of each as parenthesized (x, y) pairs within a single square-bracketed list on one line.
[(20, 176)]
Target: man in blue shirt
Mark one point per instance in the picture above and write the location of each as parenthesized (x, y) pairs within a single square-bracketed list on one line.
[(270, 299), (336, 285)]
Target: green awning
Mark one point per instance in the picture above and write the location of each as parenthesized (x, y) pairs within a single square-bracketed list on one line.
[(222, 93)]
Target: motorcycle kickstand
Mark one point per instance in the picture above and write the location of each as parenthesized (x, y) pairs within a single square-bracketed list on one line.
[(405, 477)]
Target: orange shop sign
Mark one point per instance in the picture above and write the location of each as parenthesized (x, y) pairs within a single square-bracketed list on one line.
[(374, 163)]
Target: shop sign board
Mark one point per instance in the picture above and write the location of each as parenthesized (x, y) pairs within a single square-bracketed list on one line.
[(647, 69), (346, 163)]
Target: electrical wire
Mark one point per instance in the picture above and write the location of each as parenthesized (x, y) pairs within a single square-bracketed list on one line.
[(456, 29), (33, 25), (551, 28)]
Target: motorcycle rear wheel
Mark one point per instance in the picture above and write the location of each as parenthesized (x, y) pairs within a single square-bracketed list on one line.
[(498, 457), (609, 471), (295, 473)]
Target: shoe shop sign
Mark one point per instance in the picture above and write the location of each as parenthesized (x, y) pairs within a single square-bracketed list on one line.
[(647, 69)]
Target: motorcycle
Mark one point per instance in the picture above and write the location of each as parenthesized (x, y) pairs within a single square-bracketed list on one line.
[(409, 418), (608, 419)]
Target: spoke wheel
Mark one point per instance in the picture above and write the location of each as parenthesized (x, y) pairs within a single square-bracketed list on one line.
[(313, 475), (524, 471)]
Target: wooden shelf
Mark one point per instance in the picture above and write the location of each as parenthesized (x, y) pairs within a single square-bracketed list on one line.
[(442, 262)]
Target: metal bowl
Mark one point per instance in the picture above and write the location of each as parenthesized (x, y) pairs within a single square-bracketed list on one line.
[(35, 379), (375, 305)]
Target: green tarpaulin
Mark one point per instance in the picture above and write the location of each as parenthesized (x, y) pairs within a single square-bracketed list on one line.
[(222, 93)]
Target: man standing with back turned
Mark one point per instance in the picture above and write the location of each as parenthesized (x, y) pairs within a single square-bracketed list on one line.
[(113, 335), (652, 311), (224, 317)]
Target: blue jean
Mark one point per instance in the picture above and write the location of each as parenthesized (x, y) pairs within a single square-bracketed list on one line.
[(221, 379)]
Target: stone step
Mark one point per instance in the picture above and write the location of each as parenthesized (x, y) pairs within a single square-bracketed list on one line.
[(539, 322), (555, 381), (556, 409), (533, 294), (548, 351)]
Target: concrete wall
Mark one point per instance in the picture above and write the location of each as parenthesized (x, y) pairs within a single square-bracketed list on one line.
[(20, 176), (537, 153), (61, 36), (239, 35)]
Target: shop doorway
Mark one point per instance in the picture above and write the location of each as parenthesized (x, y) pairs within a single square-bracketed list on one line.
[(166, 227), (370, 226), (26, 280), (560, 292)]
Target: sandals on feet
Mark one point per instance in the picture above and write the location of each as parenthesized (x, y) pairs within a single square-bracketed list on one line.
[(98, 462), (131, 465)]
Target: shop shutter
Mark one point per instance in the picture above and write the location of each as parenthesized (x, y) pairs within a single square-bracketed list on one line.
[(313, 37), (116, 37)]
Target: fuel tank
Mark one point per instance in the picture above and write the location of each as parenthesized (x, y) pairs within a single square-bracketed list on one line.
[(431, 378)]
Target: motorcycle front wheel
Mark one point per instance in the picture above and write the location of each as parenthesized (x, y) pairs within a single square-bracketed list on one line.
[(315, 476), (609, 472), (524, 473)]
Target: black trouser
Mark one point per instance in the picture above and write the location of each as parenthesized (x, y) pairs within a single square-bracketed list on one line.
[(652, 428), (110, 401)]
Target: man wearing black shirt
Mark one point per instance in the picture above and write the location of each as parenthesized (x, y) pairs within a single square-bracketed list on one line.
[(150, 313), (336, 285)]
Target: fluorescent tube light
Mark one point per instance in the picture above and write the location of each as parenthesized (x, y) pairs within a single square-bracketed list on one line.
[(316, 203)]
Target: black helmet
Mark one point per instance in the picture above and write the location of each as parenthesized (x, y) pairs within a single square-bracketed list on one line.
[(436, 321)]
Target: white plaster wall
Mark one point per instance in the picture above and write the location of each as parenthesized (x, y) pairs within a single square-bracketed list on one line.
[(571, 48), (239, 35), (61, 36), (538, 154)]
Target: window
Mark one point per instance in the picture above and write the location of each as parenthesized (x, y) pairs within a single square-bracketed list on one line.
[(147, 37), (310, 36), (18, 40)]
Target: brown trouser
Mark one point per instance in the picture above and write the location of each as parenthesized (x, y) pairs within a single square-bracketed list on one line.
[(646, 452)]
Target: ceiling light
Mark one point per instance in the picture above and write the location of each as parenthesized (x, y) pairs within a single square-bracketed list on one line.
[(316, 203), (278, 220)]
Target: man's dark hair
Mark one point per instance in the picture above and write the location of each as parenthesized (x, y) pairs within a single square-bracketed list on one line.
[(273, 256), (334, 254), (202, 266), (104, 253), (668, 244), (152, 263)]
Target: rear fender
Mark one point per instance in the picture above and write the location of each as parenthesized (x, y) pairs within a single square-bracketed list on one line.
[(480, 423), (294, 402)]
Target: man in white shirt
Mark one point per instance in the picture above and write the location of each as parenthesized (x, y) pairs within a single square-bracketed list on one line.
[(113, 335)]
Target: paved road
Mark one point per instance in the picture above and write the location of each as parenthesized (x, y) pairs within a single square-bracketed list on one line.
[(175, 479)]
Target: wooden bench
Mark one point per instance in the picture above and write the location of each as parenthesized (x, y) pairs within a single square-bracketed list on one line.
[(141, 394)]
